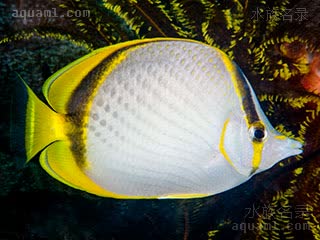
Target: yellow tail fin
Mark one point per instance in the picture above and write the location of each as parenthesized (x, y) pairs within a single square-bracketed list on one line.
[(34, 125)]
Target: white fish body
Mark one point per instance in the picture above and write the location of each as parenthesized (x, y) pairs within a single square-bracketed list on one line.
[(161, 118)]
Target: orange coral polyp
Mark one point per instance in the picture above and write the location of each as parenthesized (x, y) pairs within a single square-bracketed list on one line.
[(311, 81)]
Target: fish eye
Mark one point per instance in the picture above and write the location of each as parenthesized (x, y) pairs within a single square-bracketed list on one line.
[(258, 132)]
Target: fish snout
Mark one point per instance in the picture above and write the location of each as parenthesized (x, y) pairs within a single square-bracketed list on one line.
[(295, 146)]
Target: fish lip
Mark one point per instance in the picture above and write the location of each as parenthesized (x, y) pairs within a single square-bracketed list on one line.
[(296, 146), (299, 144), (300, 149)]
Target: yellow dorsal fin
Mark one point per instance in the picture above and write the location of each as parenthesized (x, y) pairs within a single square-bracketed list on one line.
[(59, 87)]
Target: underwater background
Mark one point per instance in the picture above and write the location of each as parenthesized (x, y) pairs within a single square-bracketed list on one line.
[(275, 43)]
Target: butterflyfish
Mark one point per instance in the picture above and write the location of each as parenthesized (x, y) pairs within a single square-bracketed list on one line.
[(152, 118)]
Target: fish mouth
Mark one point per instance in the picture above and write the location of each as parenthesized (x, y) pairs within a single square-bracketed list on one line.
[(295, 147)]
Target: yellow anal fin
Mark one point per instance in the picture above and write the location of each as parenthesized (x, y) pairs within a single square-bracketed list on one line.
[(58, 160)]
